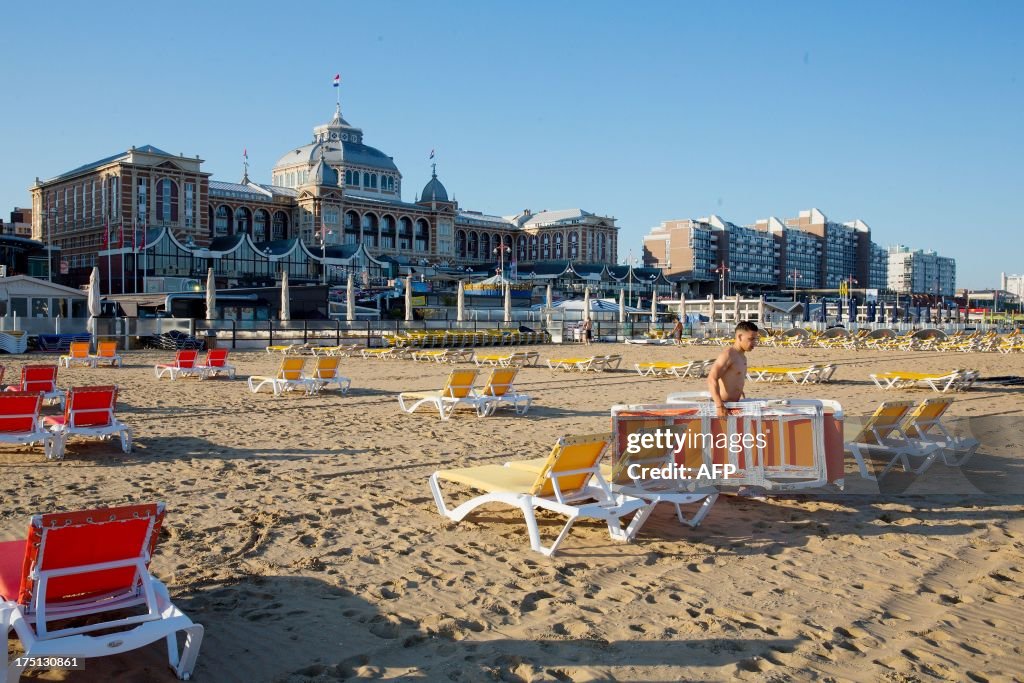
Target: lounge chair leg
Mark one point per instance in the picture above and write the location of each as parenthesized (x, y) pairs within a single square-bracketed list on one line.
[(184, 664)]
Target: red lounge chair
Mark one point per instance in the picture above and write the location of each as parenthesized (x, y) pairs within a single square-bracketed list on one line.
[(91, 563), (89, 411), (216, 362), (41, 378), (185, 363), (19, 421)]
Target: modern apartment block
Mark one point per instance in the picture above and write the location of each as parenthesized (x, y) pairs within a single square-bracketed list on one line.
[(1013, 284), (921, 272), (805, 252)]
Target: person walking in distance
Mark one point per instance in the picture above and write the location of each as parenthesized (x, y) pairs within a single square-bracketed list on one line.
[(729, 372), (588, 330)]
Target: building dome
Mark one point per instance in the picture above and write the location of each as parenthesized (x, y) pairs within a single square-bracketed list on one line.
[(342, 146), (434, 191), (323, 174)]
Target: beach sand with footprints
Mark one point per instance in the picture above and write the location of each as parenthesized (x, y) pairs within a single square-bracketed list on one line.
[(301, 533)]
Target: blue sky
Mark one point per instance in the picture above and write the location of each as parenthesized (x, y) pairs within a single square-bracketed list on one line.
[(905, 115)]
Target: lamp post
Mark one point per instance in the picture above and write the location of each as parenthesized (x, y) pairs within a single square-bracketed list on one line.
[(796, 276), (722, 269), (501, 250), (323, 252)]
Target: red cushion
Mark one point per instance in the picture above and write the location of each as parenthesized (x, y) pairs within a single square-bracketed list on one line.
[(12, 555), (53, 420)]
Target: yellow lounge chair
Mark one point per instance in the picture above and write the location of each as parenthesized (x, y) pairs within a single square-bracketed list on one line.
[(924, 425), (290, 376), (664, 368), (499, 390), (78, 353), (937, 382), (457, 391), (568, 484), (581, 364), (882, 432), (325, 373)]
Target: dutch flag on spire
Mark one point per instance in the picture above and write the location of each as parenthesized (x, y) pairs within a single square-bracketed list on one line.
[(431, 154), (337, 80)]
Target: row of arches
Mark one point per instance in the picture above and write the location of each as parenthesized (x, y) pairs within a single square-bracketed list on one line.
[(383, 232), (224, 221), (476, 244), (386, 232)]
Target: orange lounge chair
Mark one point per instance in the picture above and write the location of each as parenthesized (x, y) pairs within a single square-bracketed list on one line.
[(185, 364), (78, 353), (89, 411), (106, 352), (91, 564), (19, 421)]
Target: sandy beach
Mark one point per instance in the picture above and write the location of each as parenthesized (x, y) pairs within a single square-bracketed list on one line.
[(301, 533)]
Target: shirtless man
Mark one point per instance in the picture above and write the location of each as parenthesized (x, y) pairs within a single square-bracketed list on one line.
[(727, 375)]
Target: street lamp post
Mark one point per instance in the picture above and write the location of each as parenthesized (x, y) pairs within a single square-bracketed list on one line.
[(796, 276), (722, 269), (501, 250), (323, 252)]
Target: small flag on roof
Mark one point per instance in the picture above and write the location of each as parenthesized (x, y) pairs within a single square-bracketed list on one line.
[(431, 154), (245, 153), (337, 80)]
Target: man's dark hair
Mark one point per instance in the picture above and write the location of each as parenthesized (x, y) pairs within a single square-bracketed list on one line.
[(746, 326)]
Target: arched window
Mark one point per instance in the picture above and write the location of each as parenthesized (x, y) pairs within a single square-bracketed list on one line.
[(259, 225), (474, 244), (545, 247), (167, 201), (387, 232), (242, 220), (574, 244), (222, 221), (533, 247), (279, 228), (421, 237), (404, 233), (366, 179), (559, 252), (351, 228), (485, 246), (521, 248), (373, 180), (604, 247), (369, 230), (391, 183), (460, 243)]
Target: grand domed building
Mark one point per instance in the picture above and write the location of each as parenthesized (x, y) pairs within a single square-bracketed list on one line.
[(333, 204)]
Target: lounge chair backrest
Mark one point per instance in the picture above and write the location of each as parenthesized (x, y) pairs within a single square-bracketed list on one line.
[(886, 418), (186, 358), (925, 414), (106, 349), (326, 367), (19, 411), (500, 381), (77, 539), (39, 378), (571, 453), (460, 384), (79, 350), (292, 368), (216, 358), (90, 406)]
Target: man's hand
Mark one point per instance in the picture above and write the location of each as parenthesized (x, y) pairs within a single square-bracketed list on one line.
[(720, 409)]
